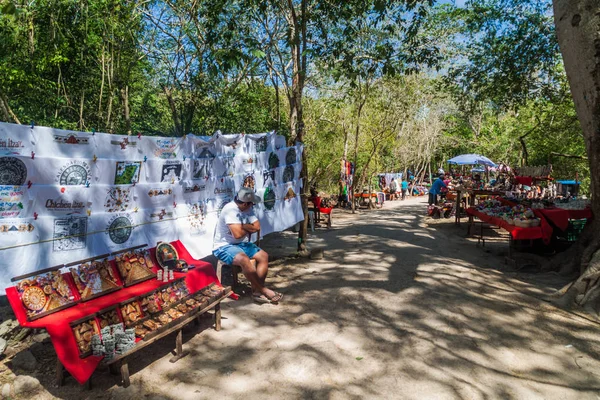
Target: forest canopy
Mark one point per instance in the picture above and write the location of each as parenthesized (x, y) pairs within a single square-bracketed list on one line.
[(402, 84)]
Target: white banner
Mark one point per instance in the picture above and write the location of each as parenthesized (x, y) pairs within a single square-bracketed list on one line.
[(15, 202), (117, 231), (74, 195), (16, 140), (58, 143)]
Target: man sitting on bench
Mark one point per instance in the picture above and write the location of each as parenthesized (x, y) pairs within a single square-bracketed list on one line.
[(232, 244)]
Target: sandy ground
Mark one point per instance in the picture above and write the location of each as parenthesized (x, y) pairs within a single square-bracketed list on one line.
[(400, 307)]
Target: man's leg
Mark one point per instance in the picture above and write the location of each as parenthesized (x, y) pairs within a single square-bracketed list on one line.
[(262, 265), (251, 273)]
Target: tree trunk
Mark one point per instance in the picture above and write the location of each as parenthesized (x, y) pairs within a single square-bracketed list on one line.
[(297, 126), (81, 123), (361, 104), (125, 97), (6, 110), (173, 107), (577, 29)]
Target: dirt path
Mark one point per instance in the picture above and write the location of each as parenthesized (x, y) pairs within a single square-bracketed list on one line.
[(397, 309)]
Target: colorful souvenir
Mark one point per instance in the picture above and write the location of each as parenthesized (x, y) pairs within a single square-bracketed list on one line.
[(151, 304), (45, 294), (84, 331), (95, 279), (166, 255), (131, 313), (135, 267), (108, 318)]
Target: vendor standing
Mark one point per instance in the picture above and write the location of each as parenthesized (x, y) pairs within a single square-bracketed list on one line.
[(436, 188), (232, 244)]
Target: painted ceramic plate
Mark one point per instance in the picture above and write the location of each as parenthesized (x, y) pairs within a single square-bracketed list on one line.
[(166, 254), (34, 298)]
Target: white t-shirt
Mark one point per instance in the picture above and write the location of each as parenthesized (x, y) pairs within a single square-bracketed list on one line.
[(231, 214)]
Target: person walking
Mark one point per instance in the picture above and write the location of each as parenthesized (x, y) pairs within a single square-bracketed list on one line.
[(404, 188)]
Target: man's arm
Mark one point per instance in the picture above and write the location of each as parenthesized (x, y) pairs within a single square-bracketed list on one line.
[(240, 230), (237, 230), (252, 228)]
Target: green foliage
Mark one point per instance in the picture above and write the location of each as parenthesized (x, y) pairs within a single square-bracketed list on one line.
[(171, 68)]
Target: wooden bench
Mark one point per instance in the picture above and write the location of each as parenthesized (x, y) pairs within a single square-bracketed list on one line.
[(120, 363)]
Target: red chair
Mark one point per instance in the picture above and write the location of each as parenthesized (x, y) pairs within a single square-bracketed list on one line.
[(322, 210)]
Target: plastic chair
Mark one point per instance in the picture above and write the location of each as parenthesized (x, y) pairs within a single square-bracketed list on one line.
[(323, 210)]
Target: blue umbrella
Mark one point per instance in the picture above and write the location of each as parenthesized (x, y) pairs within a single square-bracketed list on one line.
[(472, 159)]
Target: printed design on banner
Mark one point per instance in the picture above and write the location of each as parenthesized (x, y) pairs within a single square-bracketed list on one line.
[(273, 160), (58, 204), (195, 218), (70, 233), (162, 214), (127, 172), (229, 166), (159, 192), (10, 146), (117, 199), (290, 156), (261, 144), (288, 173), (268, 174), (11, 201), (119, 228), (12, 171), (165, 148), (249, 181), (206, 153), (224, 190), (71, 139), (269, 199), (194, 188), (290, 194), (8, 227), (202, 169), (171, 171), (247, 162), (233, 144), (124, 144), (74, 173)]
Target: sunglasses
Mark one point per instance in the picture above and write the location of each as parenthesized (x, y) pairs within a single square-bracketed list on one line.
[(243, 202)]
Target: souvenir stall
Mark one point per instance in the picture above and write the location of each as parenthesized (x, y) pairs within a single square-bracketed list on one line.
[(470, 189), (81, 214), (528, 220)]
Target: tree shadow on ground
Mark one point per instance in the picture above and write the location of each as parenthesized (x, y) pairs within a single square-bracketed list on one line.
[(396, 309)]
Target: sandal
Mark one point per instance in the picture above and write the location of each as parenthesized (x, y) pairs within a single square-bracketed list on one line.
[(277, 298), (262, 299)]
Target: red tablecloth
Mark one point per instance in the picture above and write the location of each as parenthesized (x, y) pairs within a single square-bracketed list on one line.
[(560, 218), (517, 233), (58, 324), (524, 180)]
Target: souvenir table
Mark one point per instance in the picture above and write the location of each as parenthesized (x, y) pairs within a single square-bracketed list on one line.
[(361, 199), (557, 217), (59, 324), (471, 196), (516, 232), (560, 217)]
